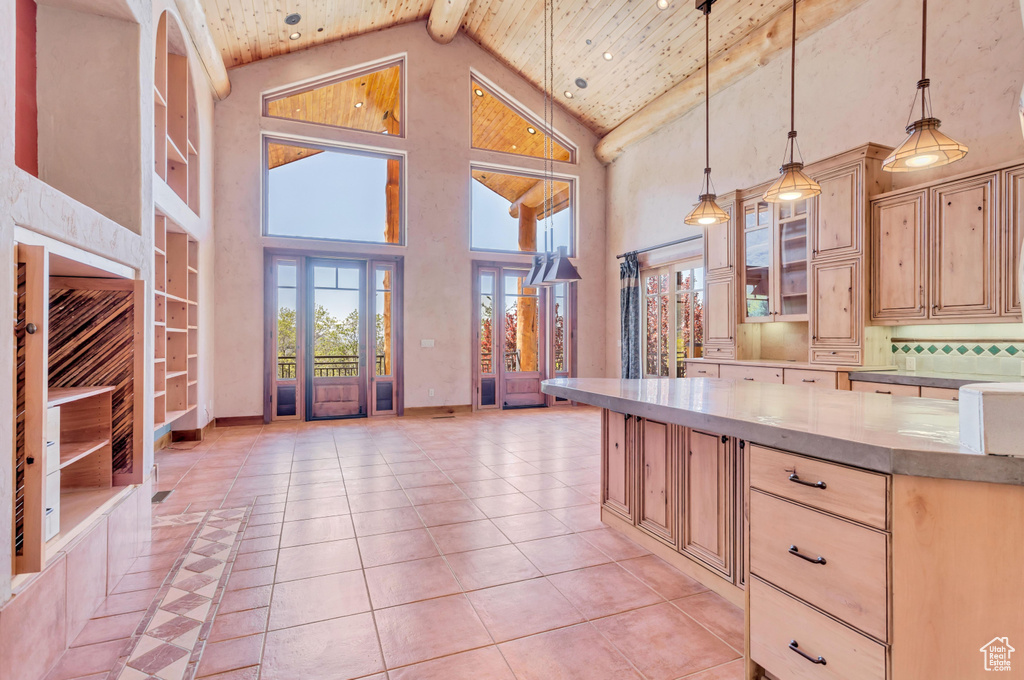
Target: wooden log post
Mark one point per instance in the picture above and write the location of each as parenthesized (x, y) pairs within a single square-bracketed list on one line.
[(445, 19), (194, 18), (527, 321), (393, 188), (731, 65)]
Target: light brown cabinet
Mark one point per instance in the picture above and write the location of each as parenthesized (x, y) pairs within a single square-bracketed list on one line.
[(719, 247), (657, 453), (707, 500), (617, 464), (837, 230), (836, 317), (720, 285), (898, 268), (774, 245), (1012, 239)]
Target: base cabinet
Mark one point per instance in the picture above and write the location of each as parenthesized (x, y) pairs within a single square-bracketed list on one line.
[(707, 500), (657, 454), (617, 464)]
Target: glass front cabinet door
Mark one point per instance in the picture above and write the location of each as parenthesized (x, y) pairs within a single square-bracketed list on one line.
[(774, 242)]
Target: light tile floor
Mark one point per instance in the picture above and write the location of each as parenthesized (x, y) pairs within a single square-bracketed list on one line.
[(400, 549)]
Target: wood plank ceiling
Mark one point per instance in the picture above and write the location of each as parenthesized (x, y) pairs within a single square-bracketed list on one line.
[(651, 50)]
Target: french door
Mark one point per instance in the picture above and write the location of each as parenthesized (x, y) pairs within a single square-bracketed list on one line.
[(523, 335), (673, 317), (333, 327)]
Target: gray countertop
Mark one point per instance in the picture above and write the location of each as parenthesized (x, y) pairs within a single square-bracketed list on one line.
[(930, 378), (884, 433)]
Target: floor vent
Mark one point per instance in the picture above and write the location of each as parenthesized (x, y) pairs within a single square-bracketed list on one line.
[(161, 496)]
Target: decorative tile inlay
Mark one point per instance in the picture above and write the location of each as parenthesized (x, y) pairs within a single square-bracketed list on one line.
[(174, 632), (996, 349)]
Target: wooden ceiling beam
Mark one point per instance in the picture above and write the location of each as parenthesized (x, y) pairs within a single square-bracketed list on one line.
[(194, 18), (763, 44), (445, 19)]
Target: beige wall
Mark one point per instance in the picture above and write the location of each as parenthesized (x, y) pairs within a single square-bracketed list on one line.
[(855, 83), (437, 257)]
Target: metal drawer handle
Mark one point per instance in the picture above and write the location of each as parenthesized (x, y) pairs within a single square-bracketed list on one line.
[(793, 550), (883, 391), (796, 648), (809, 380), (817, 485), (750, 379)]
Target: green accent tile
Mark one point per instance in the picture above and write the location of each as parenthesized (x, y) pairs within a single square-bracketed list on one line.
[(947, 350), (932, 349), (895, 349), (919, 349), (993, 350), (961, 349), (978, 349), (1011, 350), (906, 349)]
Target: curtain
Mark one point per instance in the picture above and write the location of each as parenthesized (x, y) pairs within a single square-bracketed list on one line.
[(629, 302)]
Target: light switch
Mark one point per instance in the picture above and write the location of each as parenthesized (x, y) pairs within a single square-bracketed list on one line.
[(427, 343)]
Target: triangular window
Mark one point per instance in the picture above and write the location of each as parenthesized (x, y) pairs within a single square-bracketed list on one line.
[(500, 125)]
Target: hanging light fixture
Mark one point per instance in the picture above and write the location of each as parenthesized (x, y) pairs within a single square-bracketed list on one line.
[(793, 183), (707, 210), (925, 146)]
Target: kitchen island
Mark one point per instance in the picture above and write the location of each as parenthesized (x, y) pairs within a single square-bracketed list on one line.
[(861, 539)]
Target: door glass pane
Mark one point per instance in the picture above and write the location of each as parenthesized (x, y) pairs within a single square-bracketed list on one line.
[(663, 330), (522, 325), (336, 351), (383, 329), (698, 324), (559, 328), (757, 256), (793, 258), (287, 347), (486, 323), (651, 367)]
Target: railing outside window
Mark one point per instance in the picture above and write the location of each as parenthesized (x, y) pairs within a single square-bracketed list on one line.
[(332, 366)]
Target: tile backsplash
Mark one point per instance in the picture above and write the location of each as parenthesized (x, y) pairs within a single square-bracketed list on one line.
[(987, 357)]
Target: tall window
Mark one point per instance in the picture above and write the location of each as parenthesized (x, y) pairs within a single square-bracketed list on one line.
[(689, 316), (324, 192), (509, 213), (674, 318)]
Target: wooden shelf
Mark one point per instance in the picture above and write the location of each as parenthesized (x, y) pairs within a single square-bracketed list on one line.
[(192, 149), (175, 374), (78, 507), (174, 415), (177, 330), (72, 452), (159, 394), (159, 251), (160, 293), (193, 328), (175, 298), (193, 382), (64, 395), (173, 152), (159, 360), (192, 356), (159, 323), (158, 96), (193, 270)]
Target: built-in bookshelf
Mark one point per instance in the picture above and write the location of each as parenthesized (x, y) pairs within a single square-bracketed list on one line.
[(176, 322), (176, 120)]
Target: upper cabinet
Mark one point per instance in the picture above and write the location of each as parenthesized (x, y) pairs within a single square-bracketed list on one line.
[(948, 252), (837, 230), (775, 260)]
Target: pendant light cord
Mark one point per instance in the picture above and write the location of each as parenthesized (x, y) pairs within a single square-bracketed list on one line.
[(924, 52), (707, 98), (792, 89)]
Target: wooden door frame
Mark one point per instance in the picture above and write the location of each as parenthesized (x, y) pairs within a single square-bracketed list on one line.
[(302, 255)]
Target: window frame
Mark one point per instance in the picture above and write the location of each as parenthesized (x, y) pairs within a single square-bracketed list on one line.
[(268, 138), (574, 193), (689, 264), (333, 77)]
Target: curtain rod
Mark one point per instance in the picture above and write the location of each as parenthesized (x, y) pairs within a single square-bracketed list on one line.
[(659, 246)]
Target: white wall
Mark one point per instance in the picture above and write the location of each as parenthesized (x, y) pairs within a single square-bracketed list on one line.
[(855, 83), (438, 261)]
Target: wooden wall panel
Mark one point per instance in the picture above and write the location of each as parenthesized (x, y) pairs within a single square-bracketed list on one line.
[(92, 342)]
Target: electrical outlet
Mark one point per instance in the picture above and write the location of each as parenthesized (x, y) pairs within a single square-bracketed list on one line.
[(911, 363), (427, 343), (430, 392)]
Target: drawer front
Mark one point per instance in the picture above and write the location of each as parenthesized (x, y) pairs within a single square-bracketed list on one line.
[(701, 370), (838, 566), (885, 388), (854, 494), (947, 393), (797, 376), (52, 439), (720, 352), (778, 623), (841, 357), (751, 373)]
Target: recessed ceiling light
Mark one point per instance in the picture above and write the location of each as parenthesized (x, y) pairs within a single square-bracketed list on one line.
[(531, 130), (514, 146), (478, 92), (293, 18), (607, 56), (662, 4), (581, 83), (359, 105), (295, 36), (568, 94)]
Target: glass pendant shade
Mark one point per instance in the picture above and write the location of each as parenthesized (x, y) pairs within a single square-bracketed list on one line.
[(560, 269), (706, 212), (792, 185), (925, 147)]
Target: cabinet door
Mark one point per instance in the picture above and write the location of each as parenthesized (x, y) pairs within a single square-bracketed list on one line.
[(1012, 239), (617, 468), (655, 507), (837, 224), (790, 271), (719, 250), (707, 515), (720, 312), (963, 249), (758, 255), (898, 263), (835, 312)]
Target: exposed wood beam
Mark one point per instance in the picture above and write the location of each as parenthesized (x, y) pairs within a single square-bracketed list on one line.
[(760, 47), (531, 198), (194, 18), (445, 19)]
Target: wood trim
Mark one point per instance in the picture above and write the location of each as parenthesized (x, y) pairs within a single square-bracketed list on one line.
[(414, 411), (1016, 165), (162, 441), (238, 421), (193, 435)]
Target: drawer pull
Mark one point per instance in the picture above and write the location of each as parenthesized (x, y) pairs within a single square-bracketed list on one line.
[(793, 550), (817, 485), (796, 648), (883, 391), (750, 379), (809, 380)]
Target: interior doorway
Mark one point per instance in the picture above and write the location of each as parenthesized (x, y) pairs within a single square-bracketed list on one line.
[(522, 336), (334, 337)]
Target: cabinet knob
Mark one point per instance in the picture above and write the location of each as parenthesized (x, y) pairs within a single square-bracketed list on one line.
[(30, 328)]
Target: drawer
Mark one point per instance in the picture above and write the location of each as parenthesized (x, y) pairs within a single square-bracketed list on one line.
[(723, 352), (848, 577), (842, 357), (52, 439), (798, 376), (855, 494), (701, 370), (947, 393), (751, 373), (885, 388), (782, 627), (52, 503)]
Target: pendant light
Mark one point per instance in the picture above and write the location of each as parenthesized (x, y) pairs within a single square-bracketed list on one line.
[(793, 183), (707, 211), (925, 146)]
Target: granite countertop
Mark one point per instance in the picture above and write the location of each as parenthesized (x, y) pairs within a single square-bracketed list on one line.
[(883, 433), (930, 378)]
